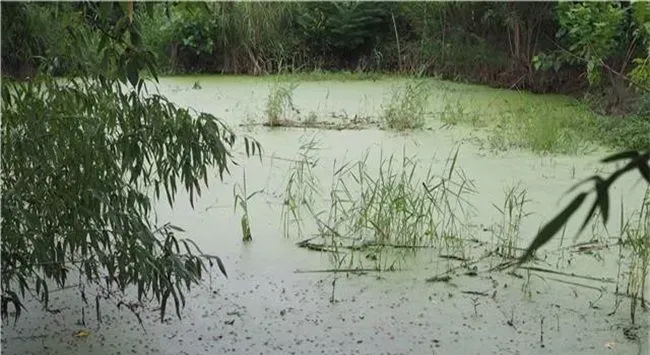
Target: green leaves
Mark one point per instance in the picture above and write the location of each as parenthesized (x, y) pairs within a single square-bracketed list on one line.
[(79, 160), (222, 268), (590, 33), (131, 71), (342, 26), (10, 297), (635, 161)]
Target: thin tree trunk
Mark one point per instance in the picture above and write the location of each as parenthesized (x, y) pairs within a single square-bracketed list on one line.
[(517, 40), (399, 49)]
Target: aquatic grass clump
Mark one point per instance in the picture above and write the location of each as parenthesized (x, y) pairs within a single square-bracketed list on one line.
[(543, 130), (512, 212), (636, 241), (544, 125), (455, 113), (548, 131), (241, 198), (387, 216), (376, 219), (407, 106), (301, 189), (280, 103)]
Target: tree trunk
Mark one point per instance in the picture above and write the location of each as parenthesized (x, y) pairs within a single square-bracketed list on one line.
[(619, 101)]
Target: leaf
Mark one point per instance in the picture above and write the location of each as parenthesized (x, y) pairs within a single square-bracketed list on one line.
[(246, 229), (643, 166), (602, 198), (552, 227), (104, 10), (86, 167), (602, 202), (221, 267), (253, 194), (176, 228), (152, 69), (135, 37), (102, 44), (132, 72), (630, 154), (18, 306), (121, 68), (177, 306), (190, 241), (98, 314), (163, 305), (124, 5)]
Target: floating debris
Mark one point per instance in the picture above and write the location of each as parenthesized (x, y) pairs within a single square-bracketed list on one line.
[(81, 333)]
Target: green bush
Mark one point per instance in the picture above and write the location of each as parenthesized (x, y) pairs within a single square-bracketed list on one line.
[(343, 29), (37, 36)]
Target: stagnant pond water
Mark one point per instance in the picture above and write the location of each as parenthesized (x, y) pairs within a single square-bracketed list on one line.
[(267, 307)]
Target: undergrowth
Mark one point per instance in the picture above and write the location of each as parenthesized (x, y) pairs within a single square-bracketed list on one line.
[(546, 128), (542, 129), (455, 113)]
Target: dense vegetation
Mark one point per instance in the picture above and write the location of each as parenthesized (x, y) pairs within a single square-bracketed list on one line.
[(595, 50), (541, 46)]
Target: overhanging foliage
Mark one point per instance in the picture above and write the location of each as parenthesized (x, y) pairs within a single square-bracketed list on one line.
[(83, 161)]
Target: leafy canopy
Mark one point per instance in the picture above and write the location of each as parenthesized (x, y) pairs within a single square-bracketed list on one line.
[(592, 34)]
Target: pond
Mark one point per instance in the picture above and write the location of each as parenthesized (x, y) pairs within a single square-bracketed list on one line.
[(446, 299)]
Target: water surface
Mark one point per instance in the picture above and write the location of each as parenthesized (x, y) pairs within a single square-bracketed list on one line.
[(266, 307)]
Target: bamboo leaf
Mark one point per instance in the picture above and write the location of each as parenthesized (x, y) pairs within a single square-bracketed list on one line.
[(630, 154), (644, 167), (602, 198), (221, 267), (177, 305), (176, 228), (132, 72), (163, 305), (84, 156), (552, 227)]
